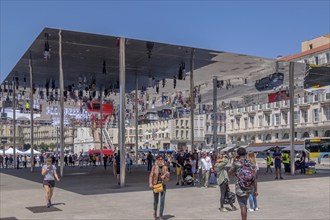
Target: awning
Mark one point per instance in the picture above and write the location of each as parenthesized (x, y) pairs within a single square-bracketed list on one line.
[(296, 147), (258, 149), (227, 148)]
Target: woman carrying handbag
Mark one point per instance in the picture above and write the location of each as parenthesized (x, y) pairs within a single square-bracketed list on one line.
[(158, 177)]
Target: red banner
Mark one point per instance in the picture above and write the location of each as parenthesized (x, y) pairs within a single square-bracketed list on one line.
[(278, 96)]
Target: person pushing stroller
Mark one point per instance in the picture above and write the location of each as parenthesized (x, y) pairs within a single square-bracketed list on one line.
[(187, 173)]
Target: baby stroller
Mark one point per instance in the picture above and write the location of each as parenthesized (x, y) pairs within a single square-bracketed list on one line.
[(187, 175)]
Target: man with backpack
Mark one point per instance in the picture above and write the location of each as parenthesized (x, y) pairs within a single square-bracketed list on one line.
[(245, 178)]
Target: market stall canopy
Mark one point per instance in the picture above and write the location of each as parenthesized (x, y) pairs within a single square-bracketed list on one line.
[(28, 152), (10, 151)]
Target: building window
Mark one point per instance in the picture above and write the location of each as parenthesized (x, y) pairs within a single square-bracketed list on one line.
[(285, 117), (260, 120), (277, 119), (327, 113), (285, 136), (232, 124), (296, 117), (304, 114), (316, 133), (245, 123), (259, 136), (276, 135), (311, 46), (252, 121), (316, 60), (238, 121), (267, 119), (315, 115)]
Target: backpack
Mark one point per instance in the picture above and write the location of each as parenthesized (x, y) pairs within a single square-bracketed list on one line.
[(246, 175)]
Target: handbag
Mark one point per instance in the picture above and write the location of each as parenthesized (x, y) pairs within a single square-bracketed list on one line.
[(158, 188), (229, 196)]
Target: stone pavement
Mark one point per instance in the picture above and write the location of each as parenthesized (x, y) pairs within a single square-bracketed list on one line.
[(92, 193)]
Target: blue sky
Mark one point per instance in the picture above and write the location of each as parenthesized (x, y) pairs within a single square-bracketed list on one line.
[(261, 28)]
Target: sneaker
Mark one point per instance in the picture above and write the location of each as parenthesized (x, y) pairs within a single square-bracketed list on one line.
[(177, 183), (256, 209), (48, 205), (50, 202), (223, 210), (251, 210), (234, 208), (281, 178)]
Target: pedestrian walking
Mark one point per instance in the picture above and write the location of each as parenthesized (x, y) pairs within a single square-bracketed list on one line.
[(149, 161), (105, 161), (117, 161), (158, 177), (6, 161), (128, 162), (50, 174), (277, 155), (269, 162), (245, 178), (302, 163), (179, 168), (223, 181), (205, 167), (252, 198), (1, 161)]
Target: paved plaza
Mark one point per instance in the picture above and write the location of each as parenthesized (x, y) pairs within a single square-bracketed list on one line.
[(92, 193)]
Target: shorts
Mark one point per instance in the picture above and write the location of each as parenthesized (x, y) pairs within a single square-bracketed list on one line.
[(242, 201), (179, 171), (278, 164), (50, 183)]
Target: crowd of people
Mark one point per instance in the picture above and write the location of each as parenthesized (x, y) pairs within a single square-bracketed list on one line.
[(244, 169), (203, 168)]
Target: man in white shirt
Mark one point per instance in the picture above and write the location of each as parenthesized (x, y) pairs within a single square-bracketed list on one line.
[(206, 166)]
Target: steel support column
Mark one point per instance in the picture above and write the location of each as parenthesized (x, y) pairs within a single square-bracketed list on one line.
[(122, 110), (292, 137), (192, 99), (101, 126), (215, 93), (61, 103), (136, 118), (31, 113), (14, 123)]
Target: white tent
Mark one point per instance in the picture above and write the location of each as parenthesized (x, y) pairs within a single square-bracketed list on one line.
[(28, 152), (10, 151)]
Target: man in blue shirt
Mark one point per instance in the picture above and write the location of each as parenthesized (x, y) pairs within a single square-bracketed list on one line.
[(277, 155)]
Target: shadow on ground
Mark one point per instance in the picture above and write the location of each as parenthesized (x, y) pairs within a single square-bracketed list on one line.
[(91, 181)]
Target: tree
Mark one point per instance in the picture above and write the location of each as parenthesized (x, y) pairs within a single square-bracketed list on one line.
[(52, 146), (26, 146), (43, 147)]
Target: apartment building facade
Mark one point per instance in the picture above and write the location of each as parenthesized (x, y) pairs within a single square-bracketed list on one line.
[(270, 122)]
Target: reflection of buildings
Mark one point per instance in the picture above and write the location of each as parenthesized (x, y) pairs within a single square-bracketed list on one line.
[(83, 140), (315, 51), (174, 134), (270, 122)]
